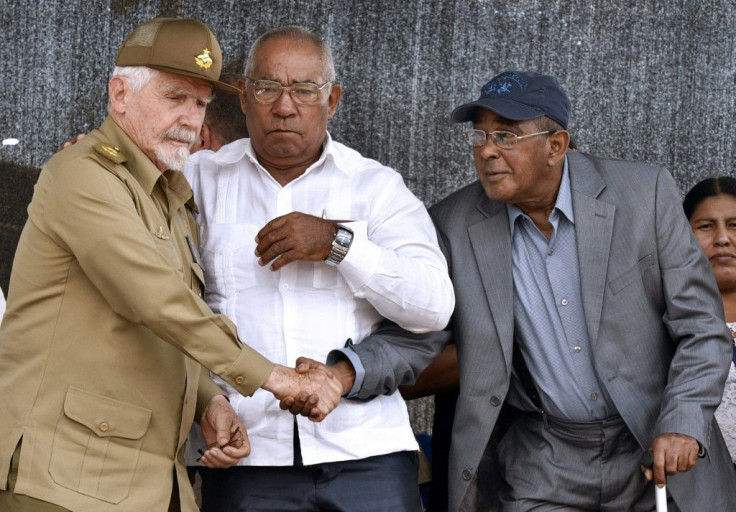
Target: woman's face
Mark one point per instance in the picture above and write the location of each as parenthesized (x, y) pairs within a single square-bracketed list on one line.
[(714, 225)]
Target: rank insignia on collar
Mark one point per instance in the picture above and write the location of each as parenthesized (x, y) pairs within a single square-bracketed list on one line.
[(159, 233), (110, 152), (204, 60)]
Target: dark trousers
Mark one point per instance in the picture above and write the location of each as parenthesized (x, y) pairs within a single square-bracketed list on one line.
[(385, 483), (549, 464), (11, 502)]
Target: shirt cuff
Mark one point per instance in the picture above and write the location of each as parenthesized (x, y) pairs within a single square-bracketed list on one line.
[(336, 355), (362, 259)]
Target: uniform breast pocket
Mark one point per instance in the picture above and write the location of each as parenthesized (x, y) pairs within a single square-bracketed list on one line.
[(97, 444), (168, 253), (228, 257)]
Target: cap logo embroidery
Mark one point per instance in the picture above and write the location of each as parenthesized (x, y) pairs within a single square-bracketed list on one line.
[(204, 60), (502, 84)]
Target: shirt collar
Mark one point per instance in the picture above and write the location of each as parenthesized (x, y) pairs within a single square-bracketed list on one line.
[(242, 148), (143, 169), (136, 161), (562, 204)]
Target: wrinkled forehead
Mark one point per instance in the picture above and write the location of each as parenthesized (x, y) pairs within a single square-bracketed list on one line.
[(288, 59)]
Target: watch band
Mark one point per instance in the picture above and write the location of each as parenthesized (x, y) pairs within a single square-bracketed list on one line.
[(340, 245)]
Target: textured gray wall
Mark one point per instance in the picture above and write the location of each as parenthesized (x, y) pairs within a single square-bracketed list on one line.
[(651, 80)]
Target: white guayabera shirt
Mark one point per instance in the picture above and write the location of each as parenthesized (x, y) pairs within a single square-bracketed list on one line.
[(394, 269)]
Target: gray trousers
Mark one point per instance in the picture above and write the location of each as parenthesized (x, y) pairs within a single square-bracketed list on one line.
[(549, 464)]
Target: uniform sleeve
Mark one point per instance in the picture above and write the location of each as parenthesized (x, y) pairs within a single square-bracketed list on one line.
[(394, 261), (91, 212), (694, 318)]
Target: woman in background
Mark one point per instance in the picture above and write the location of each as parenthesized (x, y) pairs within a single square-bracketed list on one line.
[(711, 208)]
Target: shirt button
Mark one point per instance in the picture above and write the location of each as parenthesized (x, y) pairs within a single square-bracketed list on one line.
[(550, 252), (104, 427), (594, 396), (239, 380), (495, 401), (467, 474), (564, 302), (577, 349)]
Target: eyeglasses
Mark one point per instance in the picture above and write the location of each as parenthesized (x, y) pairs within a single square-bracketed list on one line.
[(505, 140), (304, 93)]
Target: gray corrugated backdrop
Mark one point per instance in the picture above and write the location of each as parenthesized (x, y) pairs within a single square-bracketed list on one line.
[(650, 80)]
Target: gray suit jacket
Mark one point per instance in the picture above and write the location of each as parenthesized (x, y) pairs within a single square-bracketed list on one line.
[(653, 313)]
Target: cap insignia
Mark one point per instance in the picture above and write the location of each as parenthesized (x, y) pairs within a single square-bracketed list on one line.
[(110, 152), (204, 60)]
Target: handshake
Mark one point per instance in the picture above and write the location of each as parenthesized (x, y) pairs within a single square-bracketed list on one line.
[(311, 389)]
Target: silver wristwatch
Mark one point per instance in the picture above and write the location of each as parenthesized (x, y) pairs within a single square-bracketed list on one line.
[(340, 245)]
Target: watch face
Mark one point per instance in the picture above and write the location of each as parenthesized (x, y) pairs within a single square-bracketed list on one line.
[(343, 237)]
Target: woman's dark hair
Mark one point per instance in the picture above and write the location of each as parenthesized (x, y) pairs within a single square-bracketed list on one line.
[(709, 187)]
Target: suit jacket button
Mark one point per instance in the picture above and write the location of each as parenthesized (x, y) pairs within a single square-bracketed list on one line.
[(467, 474), (495, 401)]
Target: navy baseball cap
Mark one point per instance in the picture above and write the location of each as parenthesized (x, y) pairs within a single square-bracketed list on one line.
[(519, 95)]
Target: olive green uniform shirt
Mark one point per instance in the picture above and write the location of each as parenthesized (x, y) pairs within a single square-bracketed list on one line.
[(105, 330)]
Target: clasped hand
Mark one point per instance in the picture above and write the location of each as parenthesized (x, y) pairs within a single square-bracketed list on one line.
[(313, 390)]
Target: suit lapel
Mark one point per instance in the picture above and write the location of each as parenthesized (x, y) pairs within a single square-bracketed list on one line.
[(593, 230), (491, 244)]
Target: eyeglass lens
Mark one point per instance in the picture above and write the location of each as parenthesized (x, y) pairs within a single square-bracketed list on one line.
[(267, 91)]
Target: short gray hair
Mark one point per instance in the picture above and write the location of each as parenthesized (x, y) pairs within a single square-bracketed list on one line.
[(137, 76), (296, 34)]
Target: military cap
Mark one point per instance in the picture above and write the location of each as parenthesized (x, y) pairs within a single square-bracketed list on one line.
[(182, 46)]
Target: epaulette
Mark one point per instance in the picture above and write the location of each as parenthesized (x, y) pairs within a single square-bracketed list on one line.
[(110, 152)]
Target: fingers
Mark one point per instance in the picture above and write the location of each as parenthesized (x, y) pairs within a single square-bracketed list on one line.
[(304, 364), (72, 141), (294, 237), (672, 454), (658, 467), (291, 387), (228, 454), (225, 435)]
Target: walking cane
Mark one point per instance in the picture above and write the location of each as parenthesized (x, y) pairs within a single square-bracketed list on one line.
[(660, 493)]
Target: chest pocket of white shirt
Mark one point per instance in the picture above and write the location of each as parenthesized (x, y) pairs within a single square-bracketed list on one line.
[(228, 258), (325, 276)]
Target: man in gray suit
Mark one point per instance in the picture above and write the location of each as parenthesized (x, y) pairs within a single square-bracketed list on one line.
[(588, 326), (584, 272)]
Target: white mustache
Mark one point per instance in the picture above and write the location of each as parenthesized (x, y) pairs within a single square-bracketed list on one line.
[(181, 134)]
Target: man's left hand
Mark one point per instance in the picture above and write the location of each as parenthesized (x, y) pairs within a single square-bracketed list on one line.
[(294, 237), (225, 435), (672, 453)]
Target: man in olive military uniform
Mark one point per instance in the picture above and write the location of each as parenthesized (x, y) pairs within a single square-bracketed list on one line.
[(106, 333)]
